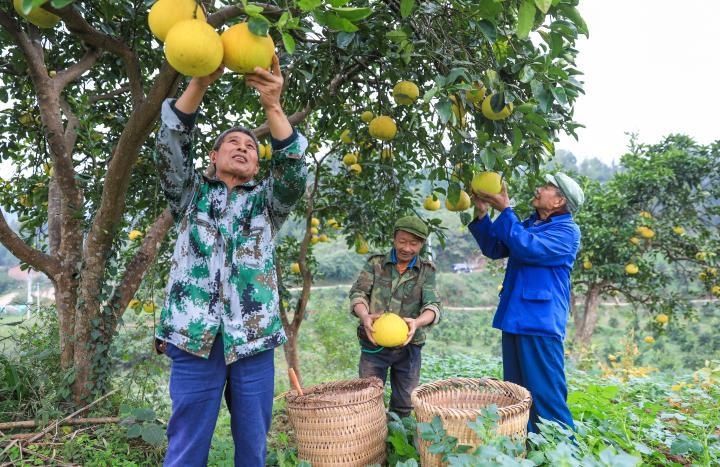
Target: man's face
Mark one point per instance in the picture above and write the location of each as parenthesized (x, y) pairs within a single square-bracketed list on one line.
[(237, 156), (548, 197), (407, 245)]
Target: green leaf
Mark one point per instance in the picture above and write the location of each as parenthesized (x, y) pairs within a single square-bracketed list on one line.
[(134, 431), (344, 39), (308, 5), (253, 10), (353, 14), (61, 3), (259, 25), (335, 22), (444, 110), (573, 15), (526, 74), (543, 5), (338, 3), (288, 42), (526, 18), (153, 434), (283, 20), (489, 9), (517, 139), (396, 36), (560, 95), (406, 7), (488, 30)]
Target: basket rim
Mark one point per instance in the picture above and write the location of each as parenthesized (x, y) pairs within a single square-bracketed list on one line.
[(509, 389), (373, 385)]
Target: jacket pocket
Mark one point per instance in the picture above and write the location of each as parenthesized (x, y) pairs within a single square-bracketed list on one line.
[(248, 249), (202, 234), (539, 295)]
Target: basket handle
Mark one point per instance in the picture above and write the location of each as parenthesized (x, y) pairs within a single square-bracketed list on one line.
[(294, 381)]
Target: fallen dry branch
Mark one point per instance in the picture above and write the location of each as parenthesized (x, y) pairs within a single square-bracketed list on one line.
[(74, 421)]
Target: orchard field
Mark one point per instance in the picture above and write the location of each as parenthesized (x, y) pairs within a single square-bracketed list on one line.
[(407, 106)]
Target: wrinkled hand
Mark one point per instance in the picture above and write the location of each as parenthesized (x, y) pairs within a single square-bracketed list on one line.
[(367, 321), (499, 201), (268, 84), (481, 207), (412, 327)]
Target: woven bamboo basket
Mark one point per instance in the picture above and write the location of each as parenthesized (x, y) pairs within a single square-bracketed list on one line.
[(458, 401), (341, 423)]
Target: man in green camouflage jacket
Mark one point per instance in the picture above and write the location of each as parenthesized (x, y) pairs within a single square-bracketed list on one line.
[(220, 322), (403, 283)]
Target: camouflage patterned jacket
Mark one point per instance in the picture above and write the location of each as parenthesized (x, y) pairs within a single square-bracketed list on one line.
[(222, 276), (381, 288)]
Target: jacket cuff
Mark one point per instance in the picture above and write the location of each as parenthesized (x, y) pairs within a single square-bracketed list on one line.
[(278, 145), (355, 301), (435, 309)]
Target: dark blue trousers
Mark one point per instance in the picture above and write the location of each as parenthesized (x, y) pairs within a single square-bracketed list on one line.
[(404, 365), (538, 364), (196, 389)]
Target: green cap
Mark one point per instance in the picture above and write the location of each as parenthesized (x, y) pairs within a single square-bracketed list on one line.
[(412, 224), (569, 189)]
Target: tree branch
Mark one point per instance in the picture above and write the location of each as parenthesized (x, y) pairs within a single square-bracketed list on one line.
[(24, 252), (79, 27), (76, 70), (145, 256), (109, 95)]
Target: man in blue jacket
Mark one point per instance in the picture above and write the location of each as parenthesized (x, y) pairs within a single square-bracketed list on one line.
[(535, 296)]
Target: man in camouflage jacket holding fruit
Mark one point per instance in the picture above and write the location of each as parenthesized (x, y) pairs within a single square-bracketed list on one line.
[(403, 283), (220, 323)]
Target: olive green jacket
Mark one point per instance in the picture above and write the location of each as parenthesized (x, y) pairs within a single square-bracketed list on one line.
[(383, 289)]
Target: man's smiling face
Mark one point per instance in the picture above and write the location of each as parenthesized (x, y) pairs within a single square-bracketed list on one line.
[(236, 157)]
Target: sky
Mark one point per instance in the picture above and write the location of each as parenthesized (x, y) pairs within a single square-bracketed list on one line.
[(651, 68)]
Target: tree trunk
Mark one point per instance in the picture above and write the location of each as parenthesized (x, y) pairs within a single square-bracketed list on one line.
[(291, 354), (584, 332)]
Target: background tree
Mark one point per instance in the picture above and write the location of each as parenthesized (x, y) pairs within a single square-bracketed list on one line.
[(82, 100), (650, 235)]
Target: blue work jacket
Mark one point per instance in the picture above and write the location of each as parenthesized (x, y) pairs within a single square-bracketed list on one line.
[(535, 296)]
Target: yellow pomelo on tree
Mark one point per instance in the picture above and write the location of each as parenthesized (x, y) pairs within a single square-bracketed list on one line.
[(490, 114), (361, 245), (345, 137), (390, 330), (462, 204), (295, 268), (350, 158), (587, 264), (383, 127), (366, 116), (314, 239), (631, 269), (134, 303), (715, 290), (194, 48), (487, 182), (458, 111), (355, 168), (634, 240), (314, 221), (245, 50), (148, 307), (165, 14), (37, 16), (314, 230), (431, 203), (679, 230), (405, 93), (476, 95), (135, 235), (649, 340), (662, 318), (324, 238)]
